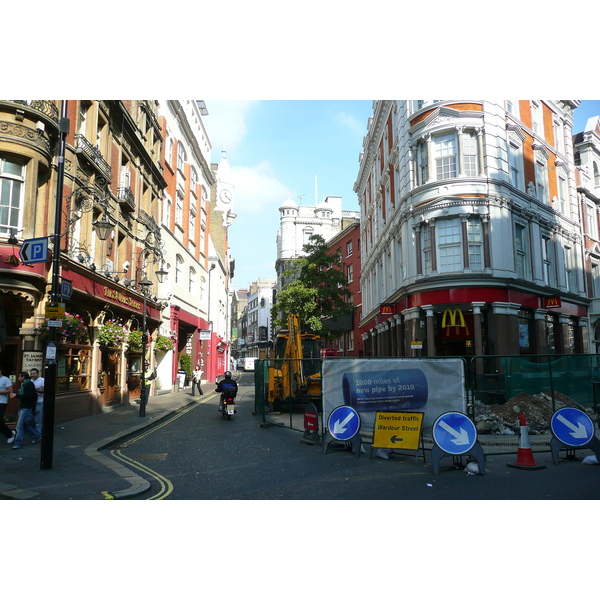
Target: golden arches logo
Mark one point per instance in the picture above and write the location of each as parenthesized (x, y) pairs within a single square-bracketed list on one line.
[(455, 319)]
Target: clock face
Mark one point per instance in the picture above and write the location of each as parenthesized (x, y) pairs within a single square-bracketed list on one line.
[(225, 196)]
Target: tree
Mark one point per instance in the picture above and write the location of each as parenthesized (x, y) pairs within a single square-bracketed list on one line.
[(317, 290)]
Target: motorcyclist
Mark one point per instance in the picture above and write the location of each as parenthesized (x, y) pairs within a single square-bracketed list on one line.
[(226, 383)]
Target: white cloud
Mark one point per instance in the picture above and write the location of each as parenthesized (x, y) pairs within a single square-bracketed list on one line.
[(226, 123), (257, 190), (351, 123)]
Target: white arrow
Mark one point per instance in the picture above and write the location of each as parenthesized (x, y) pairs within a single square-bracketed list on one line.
[(461, 439), (578, 432), (341, 427)]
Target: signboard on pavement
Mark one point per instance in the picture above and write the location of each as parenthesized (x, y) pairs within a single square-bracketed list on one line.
[(343, 423), (454, 433), (397, 430), (572, 427)]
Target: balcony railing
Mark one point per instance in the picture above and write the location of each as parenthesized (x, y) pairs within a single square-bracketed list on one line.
[(93, 154), (126, 198), (44, 106)]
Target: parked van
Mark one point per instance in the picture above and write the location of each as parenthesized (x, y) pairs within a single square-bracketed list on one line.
[(249, 363)]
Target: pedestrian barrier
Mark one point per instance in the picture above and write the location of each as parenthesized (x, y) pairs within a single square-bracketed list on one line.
[(498, 388)]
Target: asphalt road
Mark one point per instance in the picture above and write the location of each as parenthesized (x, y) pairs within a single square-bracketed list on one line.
[(199, 455)]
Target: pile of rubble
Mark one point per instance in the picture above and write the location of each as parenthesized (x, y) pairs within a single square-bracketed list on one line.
[(504, 418)]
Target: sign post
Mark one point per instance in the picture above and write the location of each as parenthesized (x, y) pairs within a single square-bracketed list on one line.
[(572, 428), (343, 425), (34, 250), (311, 425), (455, 434)]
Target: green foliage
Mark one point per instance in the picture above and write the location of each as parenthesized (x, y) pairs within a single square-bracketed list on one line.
[(112, 333), (135, 339), (185, 362), (164, 343), (316, 289)]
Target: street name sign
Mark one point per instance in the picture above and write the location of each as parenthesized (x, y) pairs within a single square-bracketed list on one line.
[(343, 423), (397, 430), (572, 426), (34, 250)]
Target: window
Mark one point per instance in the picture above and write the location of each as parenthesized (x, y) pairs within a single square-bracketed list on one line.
[(74, 369), (179, 210), (548, 261), (592, 220), (423, 163), (475, 241), (307, 233), (558, 137), (181, 156), (562, 195), (596, 280), (521, 250), (178, 269), (445, 156), (193, 180), (596, 176), (515, 158), (536, 118), (570, 269), (351, 340), (426, 249), (541, 179), (192, 229), (450, 249), (349, 248), (192, 281), (12, 179), (469, 141), (350, 273)]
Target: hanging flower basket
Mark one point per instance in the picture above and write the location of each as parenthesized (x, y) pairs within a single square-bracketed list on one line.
[(73, 330), (164, 343), (112, 333), (135, 339)]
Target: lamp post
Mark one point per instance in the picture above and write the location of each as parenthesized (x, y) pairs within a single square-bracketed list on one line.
[(102, 229), (145, 284)]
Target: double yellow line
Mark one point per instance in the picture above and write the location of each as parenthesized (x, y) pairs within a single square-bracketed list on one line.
[(166, 487)]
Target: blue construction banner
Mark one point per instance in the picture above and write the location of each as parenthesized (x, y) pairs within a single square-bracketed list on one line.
[(429, 385)]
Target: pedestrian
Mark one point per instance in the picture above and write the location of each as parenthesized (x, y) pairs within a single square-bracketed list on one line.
[(197, 380), (27, 405), (149, 375), (5, 392), (39, 388)]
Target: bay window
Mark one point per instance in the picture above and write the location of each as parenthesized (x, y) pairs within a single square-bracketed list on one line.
[(12, 183)]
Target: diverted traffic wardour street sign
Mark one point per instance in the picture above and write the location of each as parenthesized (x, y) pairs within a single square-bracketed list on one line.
[(397, 430), (34, 250)]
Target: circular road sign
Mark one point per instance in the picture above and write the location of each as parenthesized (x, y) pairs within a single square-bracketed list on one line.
[(454, 433), (572, 426), (343, 423)]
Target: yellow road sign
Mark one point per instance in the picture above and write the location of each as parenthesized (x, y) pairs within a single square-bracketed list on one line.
[(397, 430), (55, 310)]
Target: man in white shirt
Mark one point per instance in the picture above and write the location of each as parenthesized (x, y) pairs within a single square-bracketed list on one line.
[(5, 391), (39, 388)]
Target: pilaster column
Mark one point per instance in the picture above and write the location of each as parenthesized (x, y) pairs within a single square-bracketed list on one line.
[(430, 329)]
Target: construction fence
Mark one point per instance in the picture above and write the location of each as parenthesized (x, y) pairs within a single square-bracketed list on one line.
[(496, 390)]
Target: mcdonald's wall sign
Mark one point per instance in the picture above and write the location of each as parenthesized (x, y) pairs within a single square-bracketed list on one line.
[(455, 324), (386, 309), (553, 302)]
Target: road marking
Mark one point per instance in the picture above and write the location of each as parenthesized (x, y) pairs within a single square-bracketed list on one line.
[(166, 487)]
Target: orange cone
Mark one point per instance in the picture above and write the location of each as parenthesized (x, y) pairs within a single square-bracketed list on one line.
[(524, 454)]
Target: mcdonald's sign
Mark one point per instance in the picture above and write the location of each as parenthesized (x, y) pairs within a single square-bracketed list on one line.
[(386, 309), (454, 318), (553, 302)]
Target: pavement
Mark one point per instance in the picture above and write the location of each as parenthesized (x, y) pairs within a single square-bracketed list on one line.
[(79, 469)]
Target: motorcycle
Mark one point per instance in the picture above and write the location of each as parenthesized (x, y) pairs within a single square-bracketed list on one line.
[(228, 403)]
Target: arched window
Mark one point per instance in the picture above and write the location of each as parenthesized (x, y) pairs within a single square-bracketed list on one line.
[(178, 269)]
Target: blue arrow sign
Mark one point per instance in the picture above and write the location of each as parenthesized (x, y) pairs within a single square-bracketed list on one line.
[(34, 250), (454, 433), (572, 426), (343, 423)]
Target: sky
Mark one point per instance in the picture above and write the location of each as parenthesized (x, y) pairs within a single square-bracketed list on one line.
[(276, 149)]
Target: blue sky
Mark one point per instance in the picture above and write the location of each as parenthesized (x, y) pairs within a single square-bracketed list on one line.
[(275, 149)]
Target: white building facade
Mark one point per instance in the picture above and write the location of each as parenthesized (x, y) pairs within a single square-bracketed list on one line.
[(471, 229)]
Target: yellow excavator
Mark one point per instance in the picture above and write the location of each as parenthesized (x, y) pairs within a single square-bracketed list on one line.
[(295, 372)]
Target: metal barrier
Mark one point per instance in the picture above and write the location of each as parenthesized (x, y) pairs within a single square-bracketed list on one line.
[(497, 389)]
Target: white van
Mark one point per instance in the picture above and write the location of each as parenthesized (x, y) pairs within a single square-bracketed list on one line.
[(249, 363)]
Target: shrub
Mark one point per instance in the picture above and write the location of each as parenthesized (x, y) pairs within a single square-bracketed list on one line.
[(112, 333), (73, 330)]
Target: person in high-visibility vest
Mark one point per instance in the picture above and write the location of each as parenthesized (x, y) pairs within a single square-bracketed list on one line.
[(149, 375)]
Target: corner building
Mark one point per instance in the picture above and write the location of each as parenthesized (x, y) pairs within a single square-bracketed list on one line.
[(471, 235)]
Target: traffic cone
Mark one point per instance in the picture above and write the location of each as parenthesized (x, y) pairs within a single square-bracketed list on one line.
[(524, 454)]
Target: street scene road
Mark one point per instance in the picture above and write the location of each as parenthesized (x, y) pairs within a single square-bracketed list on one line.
[(197, 454)]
